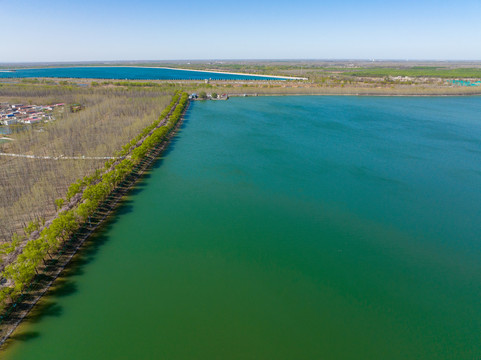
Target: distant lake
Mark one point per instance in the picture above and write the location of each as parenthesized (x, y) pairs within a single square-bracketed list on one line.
[(128, 73)]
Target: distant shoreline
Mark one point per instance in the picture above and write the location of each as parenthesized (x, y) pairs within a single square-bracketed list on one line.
[(230, 73), (276, 88)]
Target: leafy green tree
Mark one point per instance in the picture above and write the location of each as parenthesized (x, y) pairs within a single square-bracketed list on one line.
[(74, 189), (59, 203), (5, 293)]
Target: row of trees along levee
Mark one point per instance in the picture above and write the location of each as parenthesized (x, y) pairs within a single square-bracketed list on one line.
[(25, 256)]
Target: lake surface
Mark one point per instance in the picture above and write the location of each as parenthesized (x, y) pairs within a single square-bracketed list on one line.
[(128, 73), (287, 228)]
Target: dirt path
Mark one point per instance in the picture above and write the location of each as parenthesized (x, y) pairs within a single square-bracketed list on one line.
[(61, 157)]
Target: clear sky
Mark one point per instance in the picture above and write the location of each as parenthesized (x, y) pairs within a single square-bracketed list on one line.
[(54, 30)]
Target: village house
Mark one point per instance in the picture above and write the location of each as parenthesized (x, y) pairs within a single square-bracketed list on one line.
[(26, 114)]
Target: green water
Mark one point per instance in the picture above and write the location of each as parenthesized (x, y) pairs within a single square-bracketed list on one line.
[(287, 228)]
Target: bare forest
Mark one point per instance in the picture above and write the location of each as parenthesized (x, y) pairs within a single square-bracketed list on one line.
[(110, 118)]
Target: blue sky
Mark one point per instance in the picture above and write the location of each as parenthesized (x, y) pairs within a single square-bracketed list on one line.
[(52, 30)]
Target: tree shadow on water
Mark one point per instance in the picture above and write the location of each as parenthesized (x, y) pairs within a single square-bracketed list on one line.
[(124, 207), (66, 284), (20, 336), (142, 184), (86, 255), (63, 287), (25, 336), (43, 309), (175, 139)]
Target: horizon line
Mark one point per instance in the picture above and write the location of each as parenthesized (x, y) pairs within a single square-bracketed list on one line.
[(239, 59)]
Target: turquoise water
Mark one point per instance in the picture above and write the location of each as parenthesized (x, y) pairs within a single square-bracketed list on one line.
[(465, 83), (287, 228), (128, 73)]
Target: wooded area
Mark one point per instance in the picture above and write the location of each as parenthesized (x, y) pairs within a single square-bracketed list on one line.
[(110, 118)]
